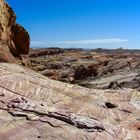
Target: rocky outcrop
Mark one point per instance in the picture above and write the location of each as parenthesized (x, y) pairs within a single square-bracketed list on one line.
[(14, 38), (35, 107), (116, 74), (127, 79), (82, 72), (48, 51)]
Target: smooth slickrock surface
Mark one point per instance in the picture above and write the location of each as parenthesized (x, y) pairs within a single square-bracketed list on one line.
[(34, 107)]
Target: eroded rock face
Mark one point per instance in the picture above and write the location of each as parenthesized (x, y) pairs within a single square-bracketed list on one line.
[(7, 20), (21, 40), (12, 35), (34, 107), (6, 55)]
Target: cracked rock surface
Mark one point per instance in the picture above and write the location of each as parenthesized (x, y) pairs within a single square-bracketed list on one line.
[(34, 107)]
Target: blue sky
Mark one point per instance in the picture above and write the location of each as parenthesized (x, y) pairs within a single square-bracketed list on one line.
[(80, 23)]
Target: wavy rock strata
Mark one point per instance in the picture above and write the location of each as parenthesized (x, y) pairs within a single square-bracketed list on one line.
[(34, 107)]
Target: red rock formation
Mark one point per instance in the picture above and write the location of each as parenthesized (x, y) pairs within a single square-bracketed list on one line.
[(13, 37)]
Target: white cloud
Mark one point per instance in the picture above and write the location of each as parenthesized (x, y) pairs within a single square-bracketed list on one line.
[(94, 41), (37, 42)]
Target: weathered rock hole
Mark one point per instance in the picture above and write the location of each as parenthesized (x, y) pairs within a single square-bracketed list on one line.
[(2, 94), (38, 137), (110, 105), (41, 104), (138, 128)]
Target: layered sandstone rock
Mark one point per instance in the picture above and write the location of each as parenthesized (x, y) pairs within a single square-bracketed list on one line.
[(15, 39), (34, 107), (104, 69)]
